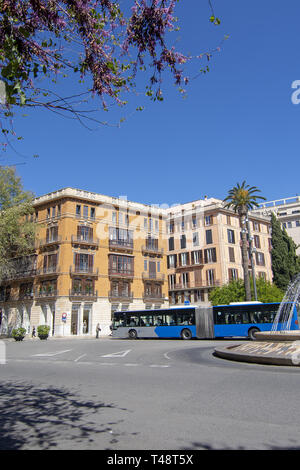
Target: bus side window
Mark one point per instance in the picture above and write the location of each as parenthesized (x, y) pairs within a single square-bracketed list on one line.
[(170, 319), (245, 317), (132, 321), (146, 320), (220, 318)]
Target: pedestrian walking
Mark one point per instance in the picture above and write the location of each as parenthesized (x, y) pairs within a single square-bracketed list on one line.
[(98, 329), (33, 332)]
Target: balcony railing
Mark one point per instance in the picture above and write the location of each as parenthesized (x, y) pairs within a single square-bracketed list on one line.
[(153, 249), (84, 270), (27, 274), (121, 244), (26, 295), (49, 270), (88, 294), (153, 296), (124, 273), (50, 241), (189, 265), (148, 276), (81, 240), (120, 295), (195, 285), (45, 293)]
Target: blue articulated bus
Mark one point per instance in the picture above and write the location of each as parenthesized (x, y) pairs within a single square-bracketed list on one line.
[(160, 323), (234, 320), (245, 319)]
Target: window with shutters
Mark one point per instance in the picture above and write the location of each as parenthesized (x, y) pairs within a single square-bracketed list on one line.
[(197, 257), (210, 277), (233, 274), (231, 254), (195, 239), (208, 236), (84, 233), (230, 236), (183, 241), (171, 243), (171, 261), (50, 263), (210, 255), (52, 234), (84, 263), (256, 241), (121, 264)]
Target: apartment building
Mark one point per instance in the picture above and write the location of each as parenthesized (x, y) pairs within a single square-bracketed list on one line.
[(287, 211), (204, 249), (95, 254)]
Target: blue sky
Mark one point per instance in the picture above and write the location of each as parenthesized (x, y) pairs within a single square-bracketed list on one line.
[(237, 122)]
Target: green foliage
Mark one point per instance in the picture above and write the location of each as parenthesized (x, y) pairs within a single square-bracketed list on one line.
[(17, 230), (234, 291), (267, 292), (285, 262), (18, 333), (43, 331), (242, 198)]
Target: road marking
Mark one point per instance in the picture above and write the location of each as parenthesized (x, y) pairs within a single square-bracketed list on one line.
[(80, 357), (107, 363), (51, 354), (131, 365), (158, 365), (118, 354), (166, 355)]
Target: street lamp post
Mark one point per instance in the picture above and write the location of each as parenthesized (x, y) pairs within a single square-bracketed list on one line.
[(251, 251)]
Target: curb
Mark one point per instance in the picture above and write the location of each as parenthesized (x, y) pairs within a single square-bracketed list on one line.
[(228, 353)]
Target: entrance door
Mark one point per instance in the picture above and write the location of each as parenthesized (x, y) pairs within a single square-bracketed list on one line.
[(87, 319), (74, 319), (52, 326)]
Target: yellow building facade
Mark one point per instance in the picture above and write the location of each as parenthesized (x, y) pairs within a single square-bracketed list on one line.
[(94, 254), (204, 249)]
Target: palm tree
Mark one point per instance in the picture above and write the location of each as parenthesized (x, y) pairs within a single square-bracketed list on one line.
[(242, 198)]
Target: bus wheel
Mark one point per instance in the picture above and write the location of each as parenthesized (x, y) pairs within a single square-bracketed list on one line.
[(186, 334), (132, 334), (251, 333)]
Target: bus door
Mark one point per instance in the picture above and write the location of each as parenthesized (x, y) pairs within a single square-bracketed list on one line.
[(204, 323)]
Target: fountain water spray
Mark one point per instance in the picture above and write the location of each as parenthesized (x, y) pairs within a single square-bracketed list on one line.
[(283, 318)]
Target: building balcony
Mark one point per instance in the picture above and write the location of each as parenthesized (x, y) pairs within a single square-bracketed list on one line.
[(122, 274), (122, 296), (48, 271), (157, 277), (87, 241), (126, 245), (89, 271), (153, 250), (46, 293), (155, 296), (85, 294), (189, 266), (195, 285), (28, 274), (49, 241), (26, 295)]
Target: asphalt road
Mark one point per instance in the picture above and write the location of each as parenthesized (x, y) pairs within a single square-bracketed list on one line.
[(145, 394)]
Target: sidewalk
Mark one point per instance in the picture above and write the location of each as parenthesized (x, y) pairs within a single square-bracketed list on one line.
[(51, 338)]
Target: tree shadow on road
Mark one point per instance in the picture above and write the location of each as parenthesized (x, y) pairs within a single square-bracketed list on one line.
[(41, 417)]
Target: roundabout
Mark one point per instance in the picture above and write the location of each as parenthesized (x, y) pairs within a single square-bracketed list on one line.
[(274, 348)]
